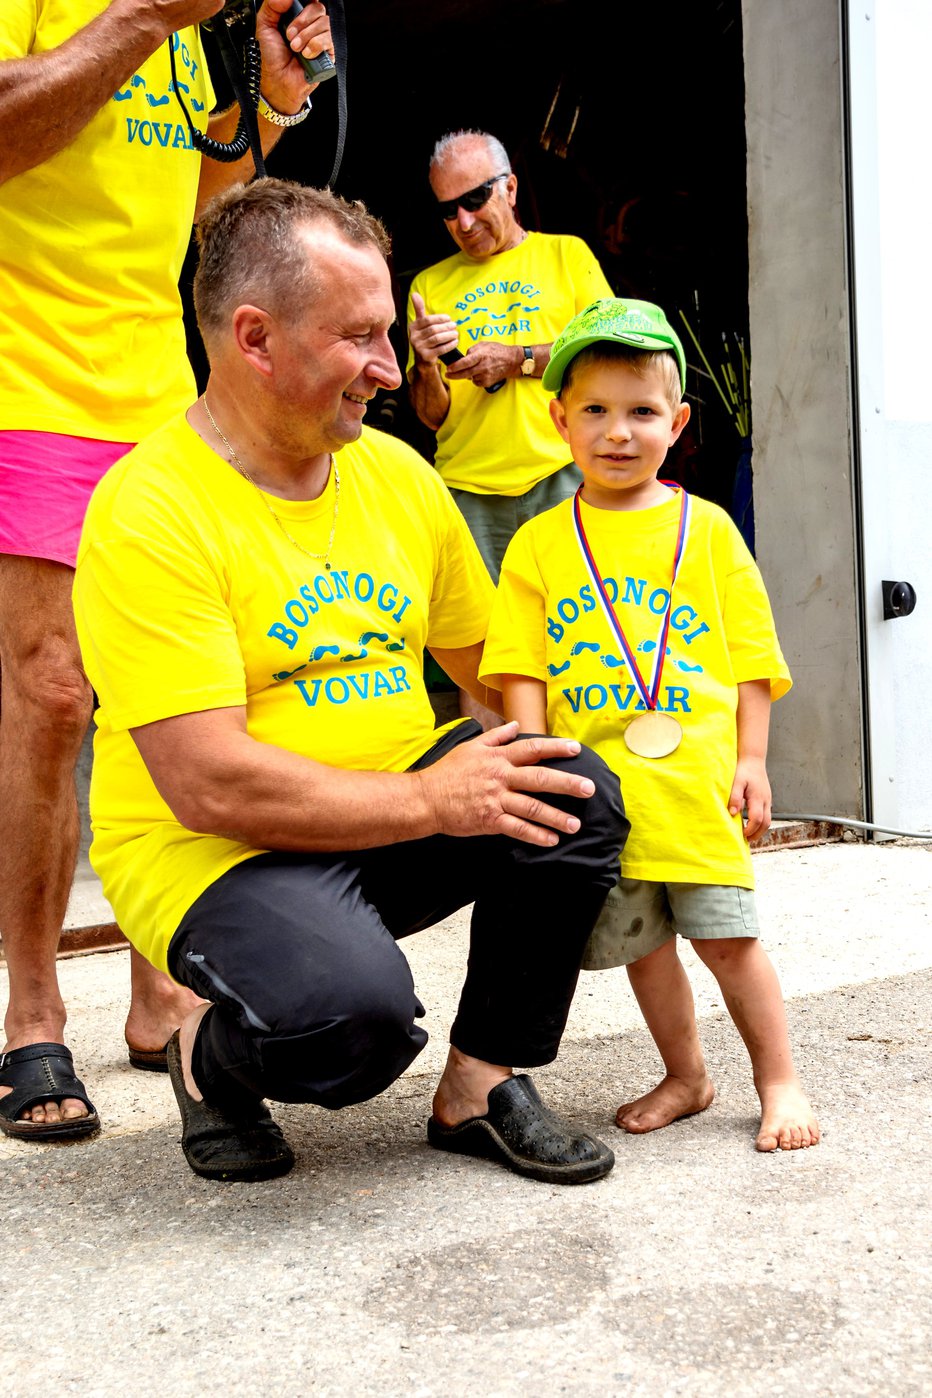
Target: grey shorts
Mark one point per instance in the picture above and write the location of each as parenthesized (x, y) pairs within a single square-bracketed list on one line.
[(639, 916), (494, 519)]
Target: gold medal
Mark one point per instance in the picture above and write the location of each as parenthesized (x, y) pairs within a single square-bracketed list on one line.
[(653, 735)]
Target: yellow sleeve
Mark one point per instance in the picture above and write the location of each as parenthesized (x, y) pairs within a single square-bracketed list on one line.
[(462, 594), (747, 617), (157, 636), (516, 643), (18, 28)]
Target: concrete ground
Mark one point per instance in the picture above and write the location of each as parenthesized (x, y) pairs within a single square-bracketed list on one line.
[(380, 1267)]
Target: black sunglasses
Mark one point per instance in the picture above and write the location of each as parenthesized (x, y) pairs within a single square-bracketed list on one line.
[(471, 201)]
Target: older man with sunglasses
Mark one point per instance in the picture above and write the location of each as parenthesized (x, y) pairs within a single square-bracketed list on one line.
[(498, 303)]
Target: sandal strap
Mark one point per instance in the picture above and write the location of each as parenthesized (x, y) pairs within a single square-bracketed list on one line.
[(45, 1074)]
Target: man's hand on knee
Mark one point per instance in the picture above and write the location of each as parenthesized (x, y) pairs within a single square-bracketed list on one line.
[(494, 785)]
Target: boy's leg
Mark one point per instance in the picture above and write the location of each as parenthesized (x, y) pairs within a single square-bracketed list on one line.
[(752, 994), (664, 995)]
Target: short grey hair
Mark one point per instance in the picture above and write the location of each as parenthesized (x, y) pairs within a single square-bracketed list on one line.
[(251, 249), (446, 149)]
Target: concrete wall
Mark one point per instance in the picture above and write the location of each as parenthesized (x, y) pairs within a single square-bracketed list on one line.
[(801, 399)]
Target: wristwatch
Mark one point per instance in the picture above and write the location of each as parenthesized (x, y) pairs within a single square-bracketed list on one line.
[(282, 118), (527, 364)]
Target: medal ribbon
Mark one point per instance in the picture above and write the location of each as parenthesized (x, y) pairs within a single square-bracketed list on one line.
[(648, 692)]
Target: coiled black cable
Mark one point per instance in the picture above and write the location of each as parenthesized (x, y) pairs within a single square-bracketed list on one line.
[(247, 131)]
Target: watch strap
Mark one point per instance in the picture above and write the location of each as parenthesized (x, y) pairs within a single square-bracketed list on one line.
[(280, 118)]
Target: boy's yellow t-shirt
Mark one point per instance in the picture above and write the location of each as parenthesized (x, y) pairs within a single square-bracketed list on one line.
[(189, 597), (547, 624), (92, 243), (503, 443)]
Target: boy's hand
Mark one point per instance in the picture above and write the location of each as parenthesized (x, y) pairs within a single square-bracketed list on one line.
[(750, 791)]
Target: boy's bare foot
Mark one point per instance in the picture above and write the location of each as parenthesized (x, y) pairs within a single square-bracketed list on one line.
[(787, 1120), (667, 1102)]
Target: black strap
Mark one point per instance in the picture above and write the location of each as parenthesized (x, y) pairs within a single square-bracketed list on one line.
[(245, 81), (245, 76), (338, 30)]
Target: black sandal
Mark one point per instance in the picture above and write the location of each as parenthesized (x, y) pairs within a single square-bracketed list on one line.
[(525, 1136), (43, 1073), (248, 1146), (149, 1060)]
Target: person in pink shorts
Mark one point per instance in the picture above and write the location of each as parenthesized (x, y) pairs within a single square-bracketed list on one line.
[(100, 181)]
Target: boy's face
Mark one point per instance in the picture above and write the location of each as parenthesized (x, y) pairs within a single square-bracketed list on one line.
[(619, 425)]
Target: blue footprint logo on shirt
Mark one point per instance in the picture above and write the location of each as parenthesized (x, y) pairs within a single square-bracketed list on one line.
[(677, 664), (365, 640), (135, 81)]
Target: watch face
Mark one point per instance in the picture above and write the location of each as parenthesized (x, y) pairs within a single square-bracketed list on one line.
[(527, 366)]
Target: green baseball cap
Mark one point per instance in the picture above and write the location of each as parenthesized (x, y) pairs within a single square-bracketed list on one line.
[(640, 324)]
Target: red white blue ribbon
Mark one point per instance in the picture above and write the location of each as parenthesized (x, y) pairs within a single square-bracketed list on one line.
[(649, 692)]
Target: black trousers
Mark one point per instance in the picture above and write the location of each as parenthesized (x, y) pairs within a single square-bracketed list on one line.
[(313, 1001)]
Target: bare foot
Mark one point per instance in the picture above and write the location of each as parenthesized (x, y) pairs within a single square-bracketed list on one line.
[(186, 1036), (667, 1102), (49, 1113), (157, 1008), (787, 1120), (51, 1031), (463, 1090)]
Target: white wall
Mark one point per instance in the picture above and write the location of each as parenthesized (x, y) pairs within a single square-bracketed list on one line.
[(891, 157)]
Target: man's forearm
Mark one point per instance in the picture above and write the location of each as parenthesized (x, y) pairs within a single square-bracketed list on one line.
[(268, 797), (47, 99), (215, 176), (293, 804), (430, 396), (217, 780)]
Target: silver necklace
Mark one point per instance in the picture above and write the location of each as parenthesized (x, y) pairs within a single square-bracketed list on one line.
[(235, 461)]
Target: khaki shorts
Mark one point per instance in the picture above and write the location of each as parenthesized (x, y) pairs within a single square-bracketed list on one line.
[(640, 916), (494, 519)]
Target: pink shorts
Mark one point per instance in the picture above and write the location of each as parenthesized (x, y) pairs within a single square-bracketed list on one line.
[(46, 480)]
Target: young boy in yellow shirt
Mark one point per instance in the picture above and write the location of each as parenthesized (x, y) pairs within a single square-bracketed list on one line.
[(634, 619)]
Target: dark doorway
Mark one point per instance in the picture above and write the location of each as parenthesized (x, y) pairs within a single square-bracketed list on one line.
[(625, 124)]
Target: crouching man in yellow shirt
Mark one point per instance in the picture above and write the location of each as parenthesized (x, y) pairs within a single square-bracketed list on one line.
[(273, 808)]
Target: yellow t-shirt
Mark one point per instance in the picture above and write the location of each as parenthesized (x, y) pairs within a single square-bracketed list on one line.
[(548, 625), (92, 243), (189, 597), (503, 443)]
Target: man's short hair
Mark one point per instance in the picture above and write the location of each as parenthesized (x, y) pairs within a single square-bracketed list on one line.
[(445, 149), (251, 251), (641, 361)]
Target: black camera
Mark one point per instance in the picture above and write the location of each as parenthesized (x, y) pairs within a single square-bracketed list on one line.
[(318, 69), (235, 12)]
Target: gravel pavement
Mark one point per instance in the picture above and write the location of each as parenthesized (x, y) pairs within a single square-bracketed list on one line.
[(381, 1267)]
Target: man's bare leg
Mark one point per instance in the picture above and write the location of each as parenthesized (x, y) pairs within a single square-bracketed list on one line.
[(664, 995), (158, 1005), (45, 707), (752, 994)]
